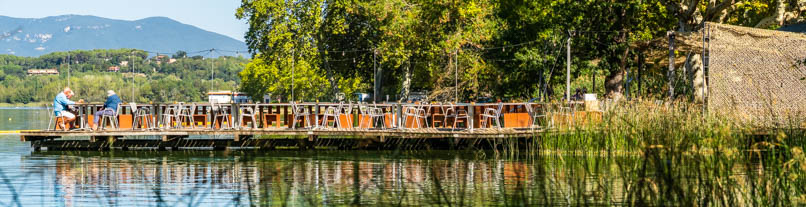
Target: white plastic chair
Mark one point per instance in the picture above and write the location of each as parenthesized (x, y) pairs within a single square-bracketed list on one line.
[(113, 119), (184, 114), (247, 111), (300, 112), (376, 115), (348, 111), (219, 110), (458, 114), (334, 112), (53, 123), (537, 114), (492, 113), (169, 115), (141, 117)]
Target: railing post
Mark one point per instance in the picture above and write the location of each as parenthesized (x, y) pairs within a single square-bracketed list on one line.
[(471, 112), (235, 112), (158, 112), (399, 117), (316, 114)]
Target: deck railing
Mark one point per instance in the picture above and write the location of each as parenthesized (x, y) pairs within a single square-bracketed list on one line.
[(280, 115)]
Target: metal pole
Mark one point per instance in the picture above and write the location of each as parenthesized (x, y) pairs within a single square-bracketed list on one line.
[(568, 69), (212, 72), (640, 68), (68, 68), (131, 58), (707, 67), (670, 73), (293, 60), (375, 76)]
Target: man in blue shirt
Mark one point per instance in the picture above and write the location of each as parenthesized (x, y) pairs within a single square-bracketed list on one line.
[(60, 107), (110, 108)]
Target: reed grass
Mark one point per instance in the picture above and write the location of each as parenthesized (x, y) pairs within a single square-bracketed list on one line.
[(690, 158)]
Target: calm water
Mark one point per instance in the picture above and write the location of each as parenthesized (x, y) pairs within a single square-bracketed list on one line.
[(237, 178)]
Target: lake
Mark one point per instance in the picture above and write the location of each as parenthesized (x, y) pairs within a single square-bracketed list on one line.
[(336, 178)]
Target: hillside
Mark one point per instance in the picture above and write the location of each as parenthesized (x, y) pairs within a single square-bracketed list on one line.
[(35, 37)]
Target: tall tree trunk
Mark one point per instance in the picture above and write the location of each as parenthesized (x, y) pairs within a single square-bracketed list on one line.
[(405, 89), (330, 77), (698, 81), (377, 92), (614, 82)]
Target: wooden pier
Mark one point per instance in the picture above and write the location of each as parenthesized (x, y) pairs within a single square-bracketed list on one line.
[(269, 126)]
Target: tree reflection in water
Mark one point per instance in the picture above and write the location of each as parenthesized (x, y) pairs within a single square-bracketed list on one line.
[(396, 178)]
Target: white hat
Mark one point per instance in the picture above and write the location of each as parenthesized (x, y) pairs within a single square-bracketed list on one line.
[(110, 93)]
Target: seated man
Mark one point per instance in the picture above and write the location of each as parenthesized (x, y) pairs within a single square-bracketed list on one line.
[(110, 107), (60, 105)]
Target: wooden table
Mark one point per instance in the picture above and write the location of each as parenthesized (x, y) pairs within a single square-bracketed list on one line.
[(516, 120)]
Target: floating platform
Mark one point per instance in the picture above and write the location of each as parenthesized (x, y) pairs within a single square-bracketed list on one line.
[(232, 125), (177, 139)]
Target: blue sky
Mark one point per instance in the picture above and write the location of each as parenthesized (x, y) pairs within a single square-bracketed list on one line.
[(211, 15)]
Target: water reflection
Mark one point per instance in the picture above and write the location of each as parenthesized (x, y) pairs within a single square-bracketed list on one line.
[(388, 178), (285, 178)]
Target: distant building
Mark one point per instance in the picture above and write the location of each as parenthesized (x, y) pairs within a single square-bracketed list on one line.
[(159, 59), (228, 97), (172, 60), (124, 63), (43, 72), (113, 69)]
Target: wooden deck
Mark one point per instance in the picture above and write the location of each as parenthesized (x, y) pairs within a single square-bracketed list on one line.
[(336, 133), (268, 139)]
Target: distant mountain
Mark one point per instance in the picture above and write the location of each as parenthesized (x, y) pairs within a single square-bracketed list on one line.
[(34, 37)]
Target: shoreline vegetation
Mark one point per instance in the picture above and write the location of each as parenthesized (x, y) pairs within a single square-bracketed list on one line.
[(135, 74), (31, 104)]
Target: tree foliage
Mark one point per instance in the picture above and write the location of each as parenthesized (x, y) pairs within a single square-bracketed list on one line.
[(141, 78)]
